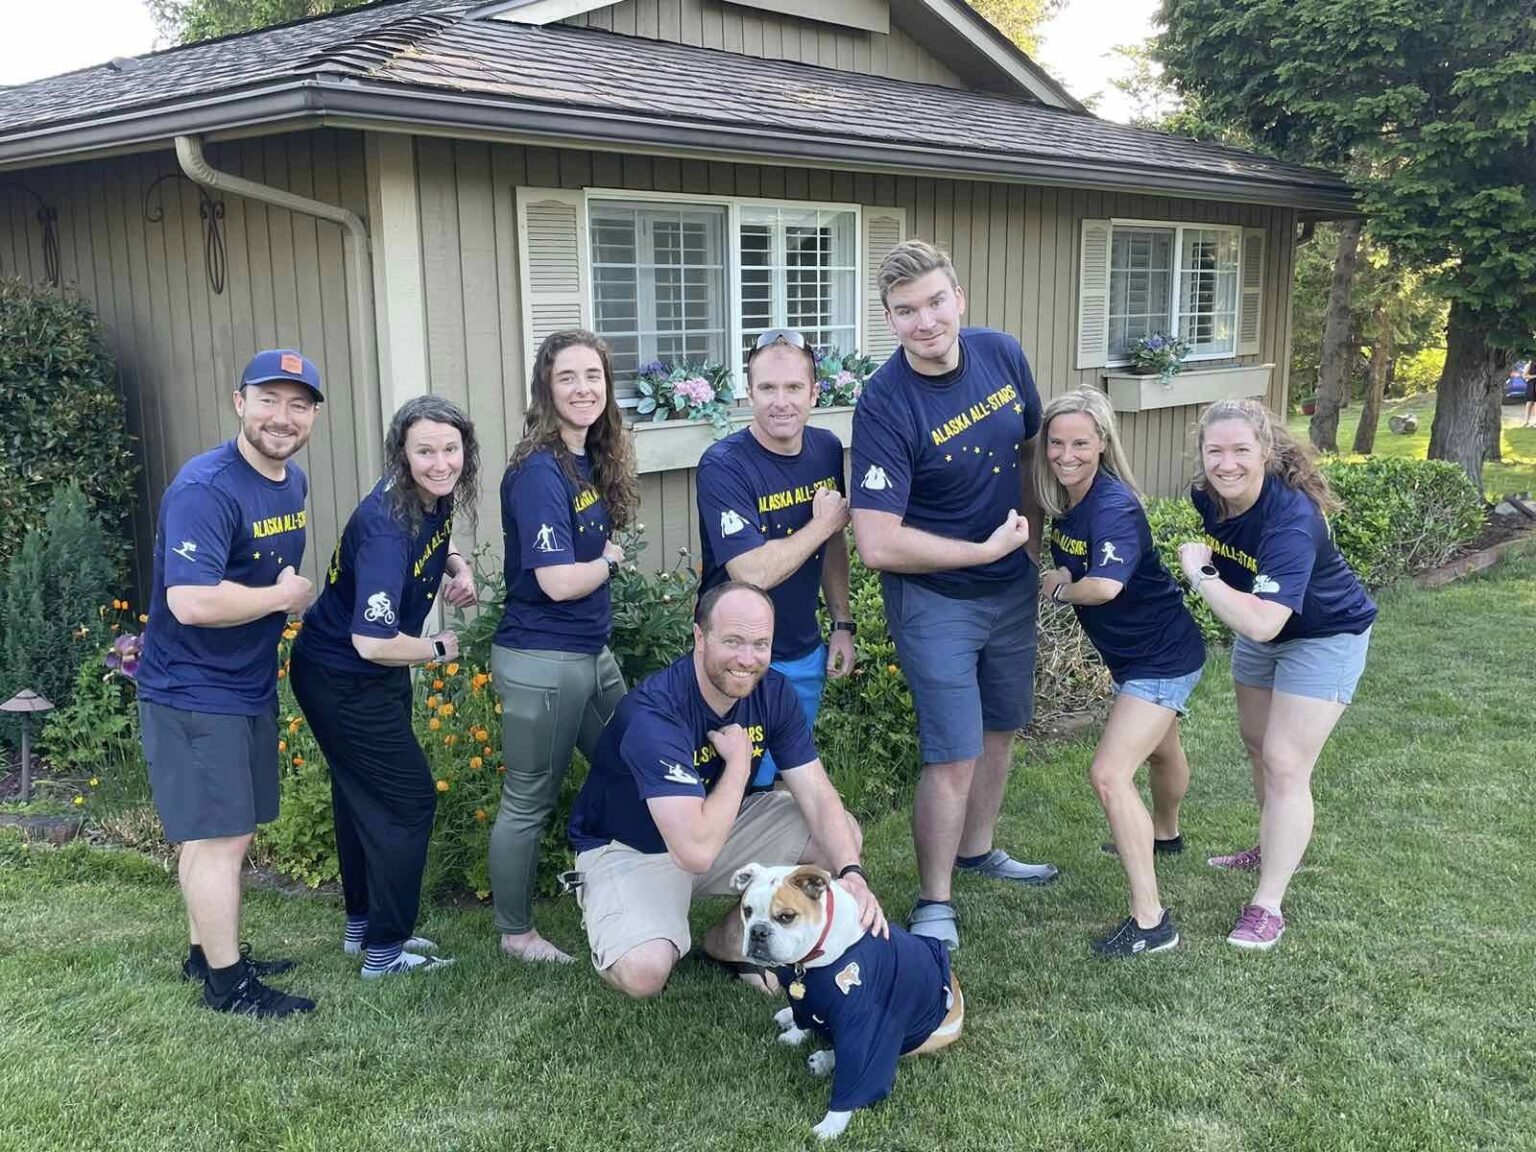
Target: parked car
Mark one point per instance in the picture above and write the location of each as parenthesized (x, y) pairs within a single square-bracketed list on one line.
[(1517, 389)]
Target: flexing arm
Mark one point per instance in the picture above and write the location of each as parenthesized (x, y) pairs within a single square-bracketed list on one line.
[(776, 561), (695, 828), (228, 605), (573, 581), (1085, 592), (1243, 612), (888, 545)]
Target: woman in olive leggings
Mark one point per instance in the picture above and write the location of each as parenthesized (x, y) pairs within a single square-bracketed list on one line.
[(569, 486)]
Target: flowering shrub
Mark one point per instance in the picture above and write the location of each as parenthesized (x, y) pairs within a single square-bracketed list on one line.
[(1160, 355), (840, 378), (687, 391)]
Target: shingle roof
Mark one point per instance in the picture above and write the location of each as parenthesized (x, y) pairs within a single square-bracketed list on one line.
[(586, 79)]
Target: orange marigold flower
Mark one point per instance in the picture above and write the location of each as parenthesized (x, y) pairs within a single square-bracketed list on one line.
[(479, 815), (282, 745), (430, 665), (434, 723), (453, 669), (450, 739), (437, 685), (480, 680), (443, 785), (476, 763), (298, 761), (488, 750), (892, 669), (447, 709), (293, 725), (281, 672), (143, 618), (432, 703)]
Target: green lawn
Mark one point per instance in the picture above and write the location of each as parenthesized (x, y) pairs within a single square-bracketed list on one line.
[(1516, 473), (1396, 1014)]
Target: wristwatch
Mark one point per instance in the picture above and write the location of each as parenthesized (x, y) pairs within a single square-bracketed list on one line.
[(847, 868), (847, 626), (613, 567), (1056, 594), (1207, 572), (439, 648)]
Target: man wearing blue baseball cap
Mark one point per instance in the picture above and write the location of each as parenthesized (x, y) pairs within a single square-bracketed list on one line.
[(228, 545)]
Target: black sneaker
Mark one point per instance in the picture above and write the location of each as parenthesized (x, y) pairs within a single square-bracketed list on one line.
[(250, 997), (1159, 847), (1131, 939), (198, 969)]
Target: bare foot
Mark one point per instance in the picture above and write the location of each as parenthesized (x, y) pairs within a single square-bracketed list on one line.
[(533, 947)]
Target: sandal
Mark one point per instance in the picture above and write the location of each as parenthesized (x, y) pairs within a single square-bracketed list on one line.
[(936, 921)]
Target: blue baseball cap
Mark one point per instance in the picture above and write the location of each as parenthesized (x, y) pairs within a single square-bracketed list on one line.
[(283, 364)]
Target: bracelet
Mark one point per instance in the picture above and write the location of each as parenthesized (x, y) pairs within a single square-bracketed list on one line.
[(847, 868)]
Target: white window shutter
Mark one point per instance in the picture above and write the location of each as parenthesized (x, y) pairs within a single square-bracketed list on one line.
[(1250, 293), (884, 228), (1093, 295), (552, 263)]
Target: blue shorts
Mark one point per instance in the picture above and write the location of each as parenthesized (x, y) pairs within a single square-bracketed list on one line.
[(807, 676), (970, 663), (1171, 692), (1319, 667)]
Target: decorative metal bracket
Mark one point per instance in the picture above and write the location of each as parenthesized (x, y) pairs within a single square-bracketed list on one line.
[(210, 211), (48, 217)]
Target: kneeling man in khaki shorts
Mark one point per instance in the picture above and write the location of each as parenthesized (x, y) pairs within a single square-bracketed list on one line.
[(674, 803)]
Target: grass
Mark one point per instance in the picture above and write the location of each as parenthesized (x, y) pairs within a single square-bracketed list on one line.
[(1516, 473), (1396, 1014)]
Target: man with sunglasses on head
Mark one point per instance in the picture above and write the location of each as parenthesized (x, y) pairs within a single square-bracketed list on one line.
[(943, 507), (772, 513)]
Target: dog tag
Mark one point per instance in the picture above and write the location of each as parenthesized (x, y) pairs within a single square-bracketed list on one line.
[(797, 991)]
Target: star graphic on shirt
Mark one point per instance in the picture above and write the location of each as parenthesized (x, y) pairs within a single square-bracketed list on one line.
[(948, 458), (757, 751), (977, 449), (995, 469), (1018, 407)]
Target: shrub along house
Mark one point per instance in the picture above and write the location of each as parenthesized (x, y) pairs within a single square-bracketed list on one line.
[(416, 192)]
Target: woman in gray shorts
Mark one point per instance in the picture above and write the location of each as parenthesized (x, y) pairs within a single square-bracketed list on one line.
[(569, 486), (1269, 569)]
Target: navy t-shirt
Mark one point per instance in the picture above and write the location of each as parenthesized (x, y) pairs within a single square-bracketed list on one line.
[(382, 581), (547, 520), (657, 744), (221, 520), (1281, 550), (1145, 632), (875, 1002), (943, 452), (748, 496)]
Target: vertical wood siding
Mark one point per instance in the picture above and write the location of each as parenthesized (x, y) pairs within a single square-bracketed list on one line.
[(179, 347), (1015, 248), (712, 24)]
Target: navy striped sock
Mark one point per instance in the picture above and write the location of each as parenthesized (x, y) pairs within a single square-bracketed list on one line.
[(383, 956), (356, 927)]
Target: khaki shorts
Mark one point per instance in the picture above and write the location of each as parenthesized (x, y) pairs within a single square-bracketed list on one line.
[(629, 897)]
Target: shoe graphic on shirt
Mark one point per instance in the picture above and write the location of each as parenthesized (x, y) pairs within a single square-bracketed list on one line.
[(875, 479)]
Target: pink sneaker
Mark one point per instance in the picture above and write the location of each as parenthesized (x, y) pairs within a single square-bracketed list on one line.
[(1238, 861), (1257, 928)]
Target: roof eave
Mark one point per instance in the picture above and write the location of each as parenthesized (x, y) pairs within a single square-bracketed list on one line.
[(351, 103)]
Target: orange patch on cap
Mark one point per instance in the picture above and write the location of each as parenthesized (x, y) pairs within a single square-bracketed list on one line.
[(291, 363)]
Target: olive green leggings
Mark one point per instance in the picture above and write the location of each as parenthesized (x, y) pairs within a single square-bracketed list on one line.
[(551, 704)]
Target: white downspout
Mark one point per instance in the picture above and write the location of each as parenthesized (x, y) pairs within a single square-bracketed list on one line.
[(363, 339)]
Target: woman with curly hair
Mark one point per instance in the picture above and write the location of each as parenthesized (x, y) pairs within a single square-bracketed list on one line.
[(569, 486), (350, 672), (1134, 614), (1269, 569)]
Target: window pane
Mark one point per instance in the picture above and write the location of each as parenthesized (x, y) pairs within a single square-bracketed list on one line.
[(798, 271), (1140, 285), (1208, 291), (658, 283)]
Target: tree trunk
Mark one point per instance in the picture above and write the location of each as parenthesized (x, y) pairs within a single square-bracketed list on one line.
[(1493, 426), (1333, 375), (1376, 386), (1461, 397)]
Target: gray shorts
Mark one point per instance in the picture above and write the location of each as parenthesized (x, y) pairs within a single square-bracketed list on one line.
[(212, 775), (1318, 667), (970, 663)]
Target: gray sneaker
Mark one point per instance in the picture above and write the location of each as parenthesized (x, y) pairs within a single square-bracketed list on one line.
[(998, 865)]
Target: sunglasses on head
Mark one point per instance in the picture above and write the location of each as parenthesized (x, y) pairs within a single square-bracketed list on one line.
[(779, 336)]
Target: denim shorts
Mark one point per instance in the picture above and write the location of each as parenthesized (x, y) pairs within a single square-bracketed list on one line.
[(1318, 667), (970, 663), (807, 675), (1171, 692)]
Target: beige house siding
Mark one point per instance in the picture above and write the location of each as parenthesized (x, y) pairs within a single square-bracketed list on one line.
[(179, 346), (712, 24), (1015, 248)]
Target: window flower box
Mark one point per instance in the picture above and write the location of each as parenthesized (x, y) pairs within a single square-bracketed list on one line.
[(676, 444), (1129, 392)]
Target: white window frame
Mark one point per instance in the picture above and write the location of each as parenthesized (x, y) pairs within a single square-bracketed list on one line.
[(1179, 228), (733, 206)]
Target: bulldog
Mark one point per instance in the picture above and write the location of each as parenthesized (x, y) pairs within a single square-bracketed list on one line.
[(874, 999)]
